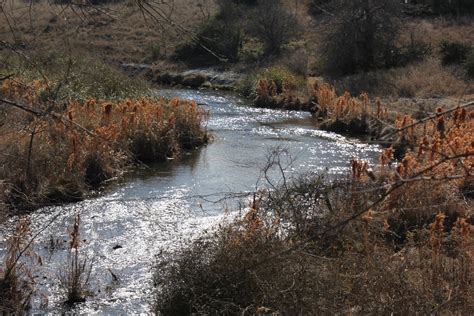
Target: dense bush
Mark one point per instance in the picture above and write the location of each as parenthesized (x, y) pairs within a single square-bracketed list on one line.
[(319, 6), (469, 63), (454, 52), (59, 157), (459, 7), (361, 36), (216, 41), (401, 56)]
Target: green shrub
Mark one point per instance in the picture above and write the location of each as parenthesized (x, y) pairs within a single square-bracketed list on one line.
[(155, 51), (86, 77), (454, 52)]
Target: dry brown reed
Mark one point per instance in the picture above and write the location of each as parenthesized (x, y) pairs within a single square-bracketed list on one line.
[(16, 280), (76, 274), (60, 154), (394, 240)]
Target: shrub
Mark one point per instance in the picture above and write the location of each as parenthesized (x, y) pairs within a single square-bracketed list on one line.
[(360, 37), (404, 55), (155, 51), (87, 77), (281, 76), (469, 63), (393, 241), (454, 52), (217, 41), (273, 25), (317, 7)]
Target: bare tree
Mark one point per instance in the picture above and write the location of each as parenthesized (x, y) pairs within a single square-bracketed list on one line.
[(274, 25)]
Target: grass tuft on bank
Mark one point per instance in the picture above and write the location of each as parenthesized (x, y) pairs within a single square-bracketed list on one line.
[(55, 153)]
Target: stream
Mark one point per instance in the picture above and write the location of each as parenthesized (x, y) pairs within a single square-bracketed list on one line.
[(163, 207)]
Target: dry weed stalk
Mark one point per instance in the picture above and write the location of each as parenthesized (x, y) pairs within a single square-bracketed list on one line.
[(394, 242), (88, 142), (75, 277), (16, 281), (344, 107)]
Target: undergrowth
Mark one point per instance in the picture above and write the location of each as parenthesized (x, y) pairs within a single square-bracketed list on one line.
[(396, 239), (60, 152), (72, 77), (16, 278)]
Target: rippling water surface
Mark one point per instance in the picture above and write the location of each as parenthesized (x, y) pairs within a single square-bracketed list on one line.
[(163, 207)]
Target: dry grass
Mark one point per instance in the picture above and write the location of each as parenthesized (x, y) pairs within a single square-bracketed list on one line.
[(62, 155), (379, 242), (75, 276), (15, 277), (435, 31), (429, 79), (113, 32)]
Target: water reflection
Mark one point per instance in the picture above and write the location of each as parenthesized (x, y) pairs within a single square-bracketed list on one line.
[(164, 206)]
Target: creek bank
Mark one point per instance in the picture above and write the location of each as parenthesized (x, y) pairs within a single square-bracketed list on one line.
[(164, 206), (213, 79), (193, 78)]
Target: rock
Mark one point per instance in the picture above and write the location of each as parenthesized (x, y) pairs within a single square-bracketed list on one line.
[(194, 80), (207, 85)]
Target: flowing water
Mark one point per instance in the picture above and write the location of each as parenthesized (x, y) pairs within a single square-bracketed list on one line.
[(162, 207)]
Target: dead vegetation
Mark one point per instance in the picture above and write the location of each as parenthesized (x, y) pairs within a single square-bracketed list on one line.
[(397, 239), (52, 155), (77, 271), (16, 279)]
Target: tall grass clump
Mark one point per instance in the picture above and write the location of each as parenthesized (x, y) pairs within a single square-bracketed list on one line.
[(275, 87), (76, 274), (16, 279), (396, 239), (57, 155)]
